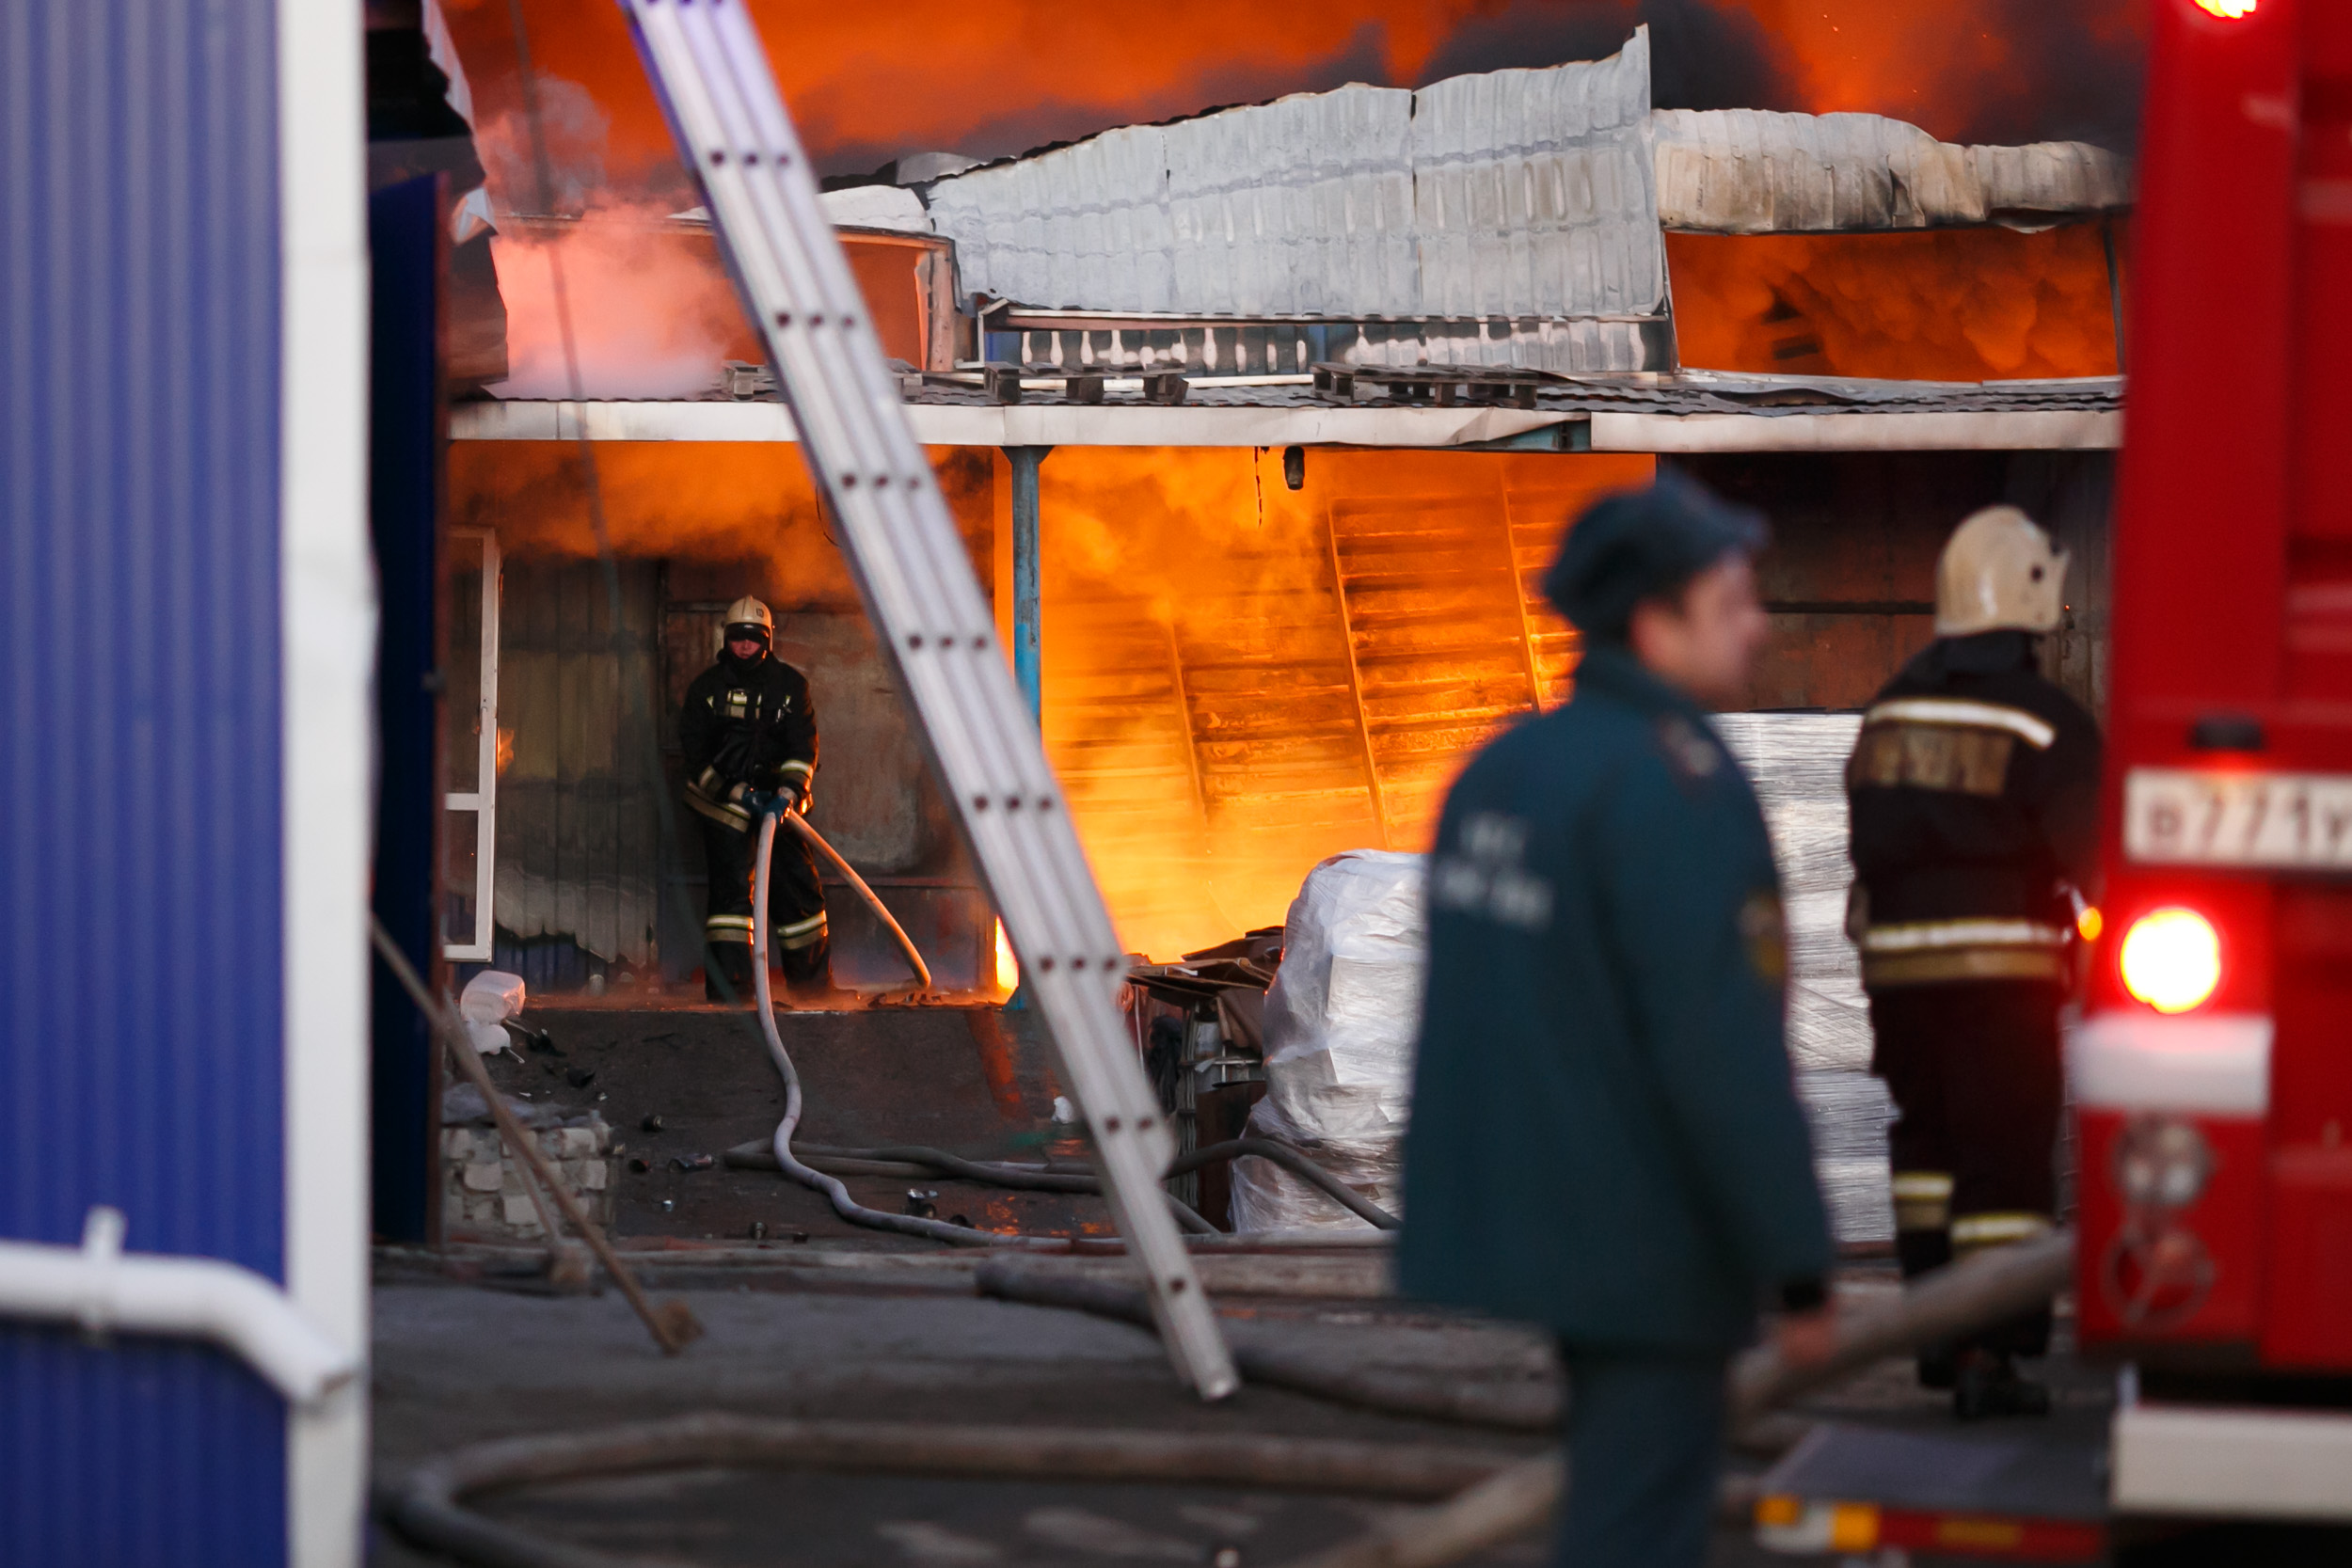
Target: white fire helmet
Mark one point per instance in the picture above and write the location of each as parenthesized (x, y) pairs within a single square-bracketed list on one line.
[(748, 612), (1999, 573)]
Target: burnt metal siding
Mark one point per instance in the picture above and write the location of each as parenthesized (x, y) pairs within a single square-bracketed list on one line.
[(1755, 171), (141, 1054), (576, 821), (2072, 495)]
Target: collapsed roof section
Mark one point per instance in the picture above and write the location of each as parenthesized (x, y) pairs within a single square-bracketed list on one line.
[(1509, 193), (1515, 221), (1748, 171), (1510, 218)]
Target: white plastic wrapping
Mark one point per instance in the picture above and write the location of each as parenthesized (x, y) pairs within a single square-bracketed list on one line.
[(489, 999), (1798, 763), (1342, 1018), (1340, 1022)]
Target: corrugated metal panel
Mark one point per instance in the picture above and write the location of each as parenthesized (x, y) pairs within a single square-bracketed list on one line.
[(1750, 171), (576, 821), (1532, 192), (140, 871), (1491, 198)]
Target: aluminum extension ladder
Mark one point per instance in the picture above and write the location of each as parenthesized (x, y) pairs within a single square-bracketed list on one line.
[(712, 77)]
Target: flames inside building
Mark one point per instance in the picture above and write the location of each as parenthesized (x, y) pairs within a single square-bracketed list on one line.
[(1286, 568)]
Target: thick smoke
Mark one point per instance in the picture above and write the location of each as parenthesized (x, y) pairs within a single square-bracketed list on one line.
[(574, 130), (652, 313), (1703, 55), (2072, 72)]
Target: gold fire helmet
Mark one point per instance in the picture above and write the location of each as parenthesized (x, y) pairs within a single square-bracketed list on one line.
[(748, 612), (1999, 573)]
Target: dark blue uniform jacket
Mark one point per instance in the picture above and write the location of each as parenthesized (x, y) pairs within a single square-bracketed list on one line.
[(1605, 1138)]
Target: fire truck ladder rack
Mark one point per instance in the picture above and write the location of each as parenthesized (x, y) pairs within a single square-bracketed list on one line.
[(712, 75)]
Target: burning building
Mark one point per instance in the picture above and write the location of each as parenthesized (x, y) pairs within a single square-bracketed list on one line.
[(1261, 423)]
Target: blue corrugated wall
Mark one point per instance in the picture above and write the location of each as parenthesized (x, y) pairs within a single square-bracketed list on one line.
[(140, 1014)]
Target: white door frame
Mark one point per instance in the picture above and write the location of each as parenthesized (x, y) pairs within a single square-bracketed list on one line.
[(483, 799)]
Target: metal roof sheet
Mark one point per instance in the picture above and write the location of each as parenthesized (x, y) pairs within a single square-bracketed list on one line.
[(1507, 194), (1750, 171)]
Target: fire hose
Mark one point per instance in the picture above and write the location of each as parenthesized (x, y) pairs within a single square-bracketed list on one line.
[(1488, 1498), (815, 841), (919, 1161), (1990, 1288), (432, 1508), (781, 1142), (937, 1160)]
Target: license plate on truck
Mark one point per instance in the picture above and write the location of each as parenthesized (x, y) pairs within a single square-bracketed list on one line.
[(2207, 817)]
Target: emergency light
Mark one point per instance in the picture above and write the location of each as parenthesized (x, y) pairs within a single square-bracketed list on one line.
[(2171, 960), (2229, 10)]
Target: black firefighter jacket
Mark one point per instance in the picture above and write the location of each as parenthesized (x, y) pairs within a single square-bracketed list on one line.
[(1975, 794), (1606, 1138), (746, 726)]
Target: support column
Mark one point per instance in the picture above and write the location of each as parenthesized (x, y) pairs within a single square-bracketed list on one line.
[(1028, 665)]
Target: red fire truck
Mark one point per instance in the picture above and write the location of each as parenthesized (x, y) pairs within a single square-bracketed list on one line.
[(2212, 1072)]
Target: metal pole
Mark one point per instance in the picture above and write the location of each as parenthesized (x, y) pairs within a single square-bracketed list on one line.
[(1028, 643)]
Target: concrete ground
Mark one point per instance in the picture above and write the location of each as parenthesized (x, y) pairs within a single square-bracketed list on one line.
[(832, 1322), (455, 1365), (971, 1080), (458, 1364)]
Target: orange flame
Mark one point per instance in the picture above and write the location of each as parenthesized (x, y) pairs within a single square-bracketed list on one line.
[(1935, 305), (1007, 967), (1241, 680)]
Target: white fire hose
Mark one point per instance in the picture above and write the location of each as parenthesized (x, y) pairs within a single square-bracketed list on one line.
[(843, 1204), (817, 842)]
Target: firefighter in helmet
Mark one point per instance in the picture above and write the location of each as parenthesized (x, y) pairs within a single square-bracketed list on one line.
[(749, 733), (1974, 788)]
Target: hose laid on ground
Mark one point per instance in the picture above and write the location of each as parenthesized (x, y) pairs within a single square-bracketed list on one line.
[(1490, 1498), (917, 1160), (431, 1506), (781, 1144), (1532, 1406), (1990, 1288)]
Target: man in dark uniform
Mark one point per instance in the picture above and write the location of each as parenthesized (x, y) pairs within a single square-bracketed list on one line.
[(749, 732), (1975, 794), (1606, 1138)]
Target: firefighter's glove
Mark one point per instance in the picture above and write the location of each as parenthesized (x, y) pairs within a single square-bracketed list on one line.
[(775, 803)]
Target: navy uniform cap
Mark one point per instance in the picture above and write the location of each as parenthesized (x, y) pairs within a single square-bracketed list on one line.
[(1641, 543)]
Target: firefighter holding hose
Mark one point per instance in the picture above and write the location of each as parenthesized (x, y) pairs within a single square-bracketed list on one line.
[(1606, 1138), (749, 733), (1974, 788)]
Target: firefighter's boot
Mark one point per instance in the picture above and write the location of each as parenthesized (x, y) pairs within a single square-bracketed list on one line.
[(728, 974)]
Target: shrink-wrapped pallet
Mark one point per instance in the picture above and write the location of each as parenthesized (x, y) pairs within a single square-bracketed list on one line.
[(1340, 1026)]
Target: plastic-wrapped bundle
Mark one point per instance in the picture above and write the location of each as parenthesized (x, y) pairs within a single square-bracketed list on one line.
[(1340, 1022), (1797, 764)]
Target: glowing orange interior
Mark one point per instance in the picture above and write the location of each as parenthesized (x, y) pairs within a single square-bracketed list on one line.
[(1931, 304), (1239, 679)]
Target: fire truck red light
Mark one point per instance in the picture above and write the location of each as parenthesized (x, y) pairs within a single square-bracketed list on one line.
[(2171, 960), (2229, 10)]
